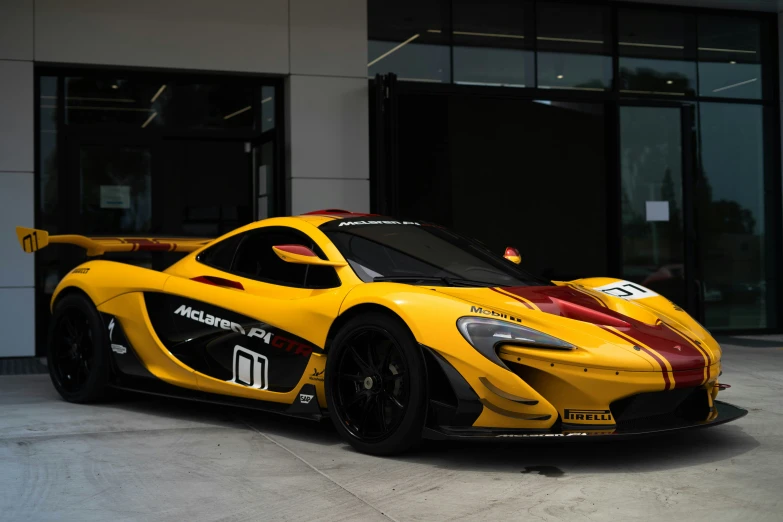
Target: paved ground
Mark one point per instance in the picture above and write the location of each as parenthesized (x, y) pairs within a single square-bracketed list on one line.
[(155, 459)]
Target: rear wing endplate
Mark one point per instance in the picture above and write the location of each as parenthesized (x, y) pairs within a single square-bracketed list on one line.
[(32, 240)]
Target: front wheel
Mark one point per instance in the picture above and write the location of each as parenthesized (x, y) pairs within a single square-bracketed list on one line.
[(376, 385)]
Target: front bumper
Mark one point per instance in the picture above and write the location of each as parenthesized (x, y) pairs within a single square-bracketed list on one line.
[(647, 427)]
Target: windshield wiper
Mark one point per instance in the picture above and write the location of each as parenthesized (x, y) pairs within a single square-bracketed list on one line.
[(450, 281)]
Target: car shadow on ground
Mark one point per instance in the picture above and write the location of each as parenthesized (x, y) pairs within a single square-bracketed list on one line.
[(551, 457)]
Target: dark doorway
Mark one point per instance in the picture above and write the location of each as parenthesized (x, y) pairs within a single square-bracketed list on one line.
[(510, 172), (130, 153)]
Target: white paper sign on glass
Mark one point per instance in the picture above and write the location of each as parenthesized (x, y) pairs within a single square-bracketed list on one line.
[(657, 210), (115, 196)]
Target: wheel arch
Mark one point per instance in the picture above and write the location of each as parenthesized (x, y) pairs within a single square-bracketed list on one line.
[(355, 311), (67, 291)]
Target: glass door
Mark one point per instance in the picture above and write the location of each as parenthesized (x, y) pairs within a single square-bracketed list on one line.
[(656, 171)]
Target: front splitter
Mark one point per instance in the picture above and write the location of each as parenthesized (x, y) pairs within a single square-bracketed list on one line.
[(726, 413)]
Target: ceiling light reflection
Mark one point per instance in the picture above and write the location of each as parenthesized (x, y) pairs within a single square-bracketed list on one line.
[(240, 111), (152, 117), (387, 53), (157, 94), (719, 89)]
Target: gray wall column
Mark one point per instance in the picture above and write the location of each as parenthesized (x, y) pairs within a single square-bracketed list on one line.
[(327, 113)]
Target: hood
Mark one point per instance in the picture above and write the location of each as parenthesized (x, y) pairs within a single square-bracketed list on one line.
[(608, 319)]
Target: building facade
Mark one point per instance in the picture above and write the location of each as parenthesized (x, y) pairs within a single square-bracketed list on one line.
[(634, 140), (77, 82)]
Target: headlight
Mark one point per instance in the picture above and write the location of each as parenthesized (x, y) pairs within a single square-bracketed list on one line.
[(484, 334)]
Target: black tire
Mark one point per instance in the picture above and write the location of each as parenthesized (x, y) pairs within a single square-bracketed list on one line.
[(376, 385), (77, 350)]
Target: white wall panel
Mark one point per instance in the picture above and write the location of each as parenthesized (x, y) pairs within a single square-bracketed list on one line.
[(16, 116), (329, 127), (17, 322), (230, 35), (16, 30), (329, 38), (16, 208), (316, 194)]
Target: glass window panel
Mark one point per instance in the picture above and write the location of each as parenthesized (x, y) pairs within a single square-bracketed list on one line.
[(731, 216), (732, 80), (573, 42), (650, 76), (412, 62), (656, 34), (651, 199), (139, 103), (409, 38), (488, 66), (573, 28), (48, 156), (490, 44), (116, 195), (113, 101), (730, 56), (267, 108), (213, 106), (574, 71), (657, 52)]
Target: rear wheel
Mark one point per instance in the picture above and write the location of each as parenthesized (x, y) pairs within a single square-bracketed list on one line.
[(375, 385), (77, 350)]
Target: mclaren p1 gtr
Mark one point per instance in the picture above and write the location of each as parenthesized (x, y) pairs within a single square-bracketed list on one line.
[(396, 330)]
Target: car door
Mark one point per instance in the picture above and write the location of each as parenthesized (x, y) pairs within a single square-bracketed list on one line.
[(250, 324)]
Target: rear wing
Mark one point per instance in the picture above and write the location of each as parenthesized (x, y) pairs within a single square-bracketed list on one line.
[(33, 240)]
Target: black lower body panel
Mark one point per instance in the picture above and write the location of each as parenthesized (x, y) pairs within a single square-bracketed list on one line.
[(725, 413)]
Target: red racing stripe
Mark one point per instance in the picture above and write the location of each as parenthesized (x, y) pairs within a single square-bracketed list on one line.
[(704, 352), (647, 351)]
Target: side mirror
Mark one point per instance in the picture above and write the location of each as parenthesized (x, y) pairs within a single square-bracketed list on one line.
[(302, 255), (512, 254)]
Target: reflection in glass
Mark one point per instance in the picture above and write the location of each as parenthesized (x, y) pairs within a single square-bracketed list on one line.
[(198, 105), (409, 38), (730, 56), (731, 215), (651, 199), (496, 67), (648, 76), (48, 271), (47, 150), (113, 101), (267, 108), (573, 43), (115, 186), (411, 62), (657, 52), (490, 45), (146, 104), (574, 71), (573, 28), (733, 80)]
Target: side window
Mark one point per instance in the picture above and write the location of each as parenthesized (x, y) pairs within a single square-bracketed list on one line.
[(221, 255), (255, 259)]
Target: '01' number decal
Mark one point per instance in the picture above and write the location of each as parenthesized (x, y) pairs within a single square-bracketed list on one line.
[(626, 290)]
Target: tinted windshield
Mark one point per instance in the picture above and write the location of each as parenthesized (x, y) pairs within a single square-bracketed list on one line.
[(384, 249)]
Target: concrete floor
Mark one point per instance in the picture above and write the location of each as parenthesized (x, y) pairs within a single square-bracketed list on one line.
[(158, 459)]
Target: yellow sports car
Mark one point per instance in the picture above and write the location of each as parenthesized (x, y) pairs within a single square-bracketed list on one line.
[(397, 330)]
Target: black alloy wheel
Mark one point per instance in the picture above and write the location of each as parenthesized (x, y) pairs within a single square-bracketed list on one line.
[(73, 350), (77, 348), (375, 385)]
